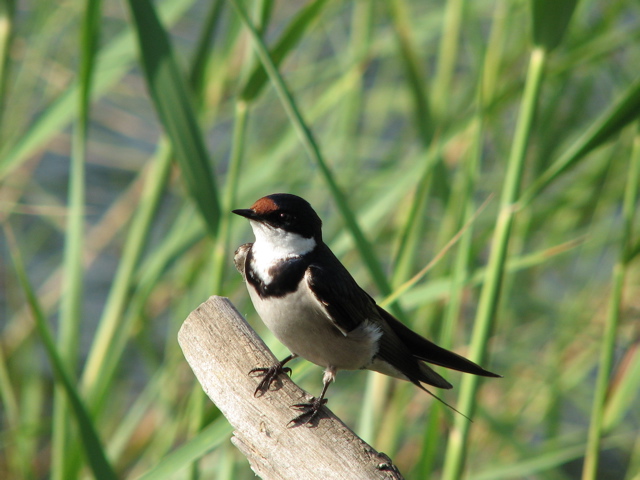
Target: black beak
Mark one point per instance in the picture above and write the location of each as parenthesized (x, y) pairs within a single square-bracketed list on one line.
[(246, 213)]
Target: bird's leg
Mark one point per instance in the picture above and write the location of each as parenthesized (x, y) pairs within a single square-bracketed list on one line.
[(310, 410), (269, 374)]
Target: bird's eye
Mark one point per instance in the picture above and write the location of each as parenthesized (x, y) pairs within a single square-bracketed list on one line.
[(287, 217)]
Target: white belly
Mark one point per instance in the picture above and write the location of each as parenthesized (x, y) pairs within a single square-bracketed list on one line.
[(300, 323)]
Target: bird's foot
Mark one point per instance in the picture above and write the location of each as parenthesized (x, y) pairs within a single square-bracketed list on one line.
[(309, 412), (269, 375)]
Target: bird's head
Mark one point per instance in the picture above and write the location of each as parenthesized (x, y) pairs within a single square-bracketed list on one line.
[(283, 213)]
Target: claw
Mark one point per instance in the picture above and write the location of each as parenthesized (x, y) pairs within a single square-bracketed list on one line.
[(309, 412), (270, 374), (263, 371)]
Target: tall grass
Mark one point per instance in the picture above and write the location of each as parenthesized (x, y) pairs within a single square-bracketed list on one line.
[(127, 135)]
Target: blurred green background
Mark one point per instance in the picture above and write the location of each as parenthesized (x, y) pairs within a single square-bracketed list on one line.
[(129, 130)]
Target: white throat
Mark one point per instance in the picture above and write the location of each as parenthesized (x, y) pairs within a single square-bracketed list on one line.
[(273, 245)]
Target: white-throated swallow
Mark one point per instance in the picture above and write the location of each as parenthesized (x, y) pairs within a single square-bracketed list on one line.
[(311, 303)]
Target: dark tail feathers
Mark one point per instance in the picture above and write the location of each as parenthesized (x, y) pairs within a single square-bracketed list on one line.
[(428, 351)]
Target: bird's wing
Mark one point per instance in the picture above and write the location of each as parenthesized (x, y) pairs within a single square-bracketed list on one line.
[(346, 305), (240, 257)]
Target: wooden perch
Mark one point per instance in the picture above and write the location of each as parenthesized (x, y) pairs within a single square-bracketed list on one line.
[(221, 348)]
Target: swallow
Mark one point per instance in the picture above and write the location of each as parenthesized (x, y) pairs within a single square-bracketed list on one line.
[(312, 304)]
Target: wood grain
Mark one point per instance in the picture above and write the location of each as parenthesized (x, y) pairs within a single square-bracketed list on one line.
[(221, 348)]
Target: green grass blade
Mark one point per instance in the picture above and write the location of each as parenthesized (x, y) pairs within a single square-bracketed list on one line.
[(550, 21), (168, 89), (412, 233), (536, 464), (7, 13), (222, 250), (71, 300), (287, 41), (17, 454), (410, 58), (115, 326), (612, 121), (625, 390), (406, 286), (435, 290), (610, 335), (464, 191), (209, 438), (202, 54), (113, 329), (112, 64), (490, 295), (91, 445), (447, 57), (308, 141)]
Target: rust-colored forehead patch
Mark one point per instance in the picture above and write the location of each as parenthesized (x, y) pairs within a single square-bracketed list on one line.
[(264, 205)]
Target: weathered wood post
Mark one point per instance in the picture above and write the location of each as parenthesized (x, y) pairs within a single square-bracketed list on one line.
[(221, 348)]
